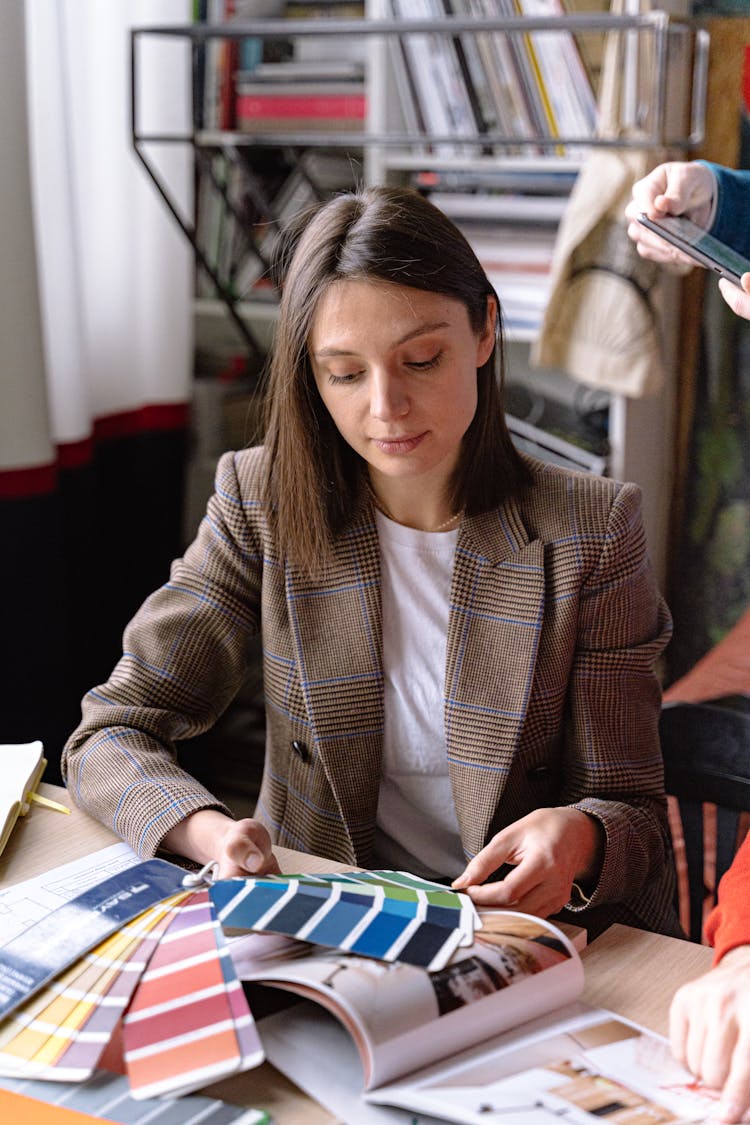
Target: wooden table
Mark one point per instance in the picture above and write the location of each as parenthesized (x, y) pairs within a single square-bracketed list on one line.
[(630, 971)]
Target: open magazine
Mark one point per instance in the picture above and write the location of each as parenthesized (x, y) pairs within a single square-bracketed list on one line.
[(498, 1030)]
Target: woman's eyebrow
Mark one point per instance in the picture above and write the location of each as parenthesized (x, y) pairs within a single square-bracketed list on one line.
[(421, 330)]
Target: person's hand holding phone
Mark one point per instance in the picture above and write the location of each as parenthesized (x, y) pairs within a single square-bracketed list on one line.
[(684, 188), (673, 188)]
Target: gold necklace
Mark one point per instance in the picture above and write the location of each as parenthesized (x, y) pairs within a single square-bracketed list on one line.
[(389, 515)]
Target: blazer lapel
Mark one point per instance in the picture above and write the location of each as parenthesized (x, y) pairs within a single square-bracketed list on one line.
[(497, 603), (336, 624)]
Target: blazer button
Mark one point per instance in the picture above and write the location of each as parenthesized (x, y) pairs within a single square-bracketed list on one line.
[(300, 749), (538, 773)]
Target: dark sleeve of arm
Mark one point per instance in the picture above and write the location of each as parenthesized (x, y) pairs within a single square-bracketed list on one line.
[(732, 218)]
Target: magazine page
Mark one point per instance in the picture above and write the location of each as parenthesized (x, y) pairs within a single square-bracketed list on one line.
[(402, 1017), (579, 1065), (317, 1053)]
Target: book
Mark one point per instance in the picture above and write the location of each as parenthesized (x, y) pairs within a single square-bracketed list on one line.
[(296, 193), (521, 78), (407, 98), (494, 206), (22, 767), (500, 1030), (403, 1016), (301, 70), (301, 107), (577, 1065)]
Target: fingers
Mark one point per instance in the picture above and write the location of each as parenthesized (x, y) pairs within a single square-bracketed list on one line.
[(679, 1022), (500, 850), (527, 888), (648, 190), (547, 849), (247, 849), (656, 249), (695, 1041), (674, 188), (737, 298), (735, 1098), (710, 1034), (537, 901)]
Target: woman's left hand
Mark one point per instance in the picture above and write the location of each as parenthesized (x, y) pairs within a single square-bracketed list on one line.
[(549, 849)]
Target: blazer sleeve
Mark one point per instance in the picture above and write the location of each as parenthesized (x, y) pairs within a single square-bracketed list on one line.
[(182, 663), (613, 766)]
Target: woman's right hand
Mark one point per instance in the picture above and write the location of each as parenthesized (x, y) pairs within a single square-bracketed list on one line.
[(675, 188), (240, 847), (246, 850)]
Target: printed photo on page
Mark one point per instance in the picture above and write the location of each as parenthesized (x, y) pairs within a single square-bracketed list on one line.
[(592, 1067)]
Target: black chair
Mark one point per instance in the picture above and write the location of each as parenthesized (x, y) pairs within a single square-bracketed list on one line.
[(706, 751)]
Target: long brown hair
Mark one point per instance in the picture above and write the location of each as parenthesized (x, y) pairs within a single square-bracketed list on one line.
[(313, 476)]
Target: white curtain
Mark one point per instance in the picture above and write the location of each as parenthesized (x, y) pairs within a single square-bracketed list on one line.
[(112, 272), (95, 345)]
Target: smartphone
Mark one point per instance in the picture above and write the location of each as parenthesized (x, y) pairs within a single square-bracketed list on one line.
[(699, 245)]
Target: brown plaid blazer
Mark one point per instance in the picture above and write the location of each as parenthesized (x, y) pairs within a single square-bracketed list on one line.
[(550, 692)]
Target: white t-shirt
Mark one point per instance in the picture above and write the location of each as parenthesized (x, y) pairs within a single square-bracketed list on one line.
[(416, 827)]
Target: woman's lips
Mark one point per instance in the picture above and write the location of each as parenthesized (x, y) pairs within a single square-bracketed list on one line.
[(398, 445)]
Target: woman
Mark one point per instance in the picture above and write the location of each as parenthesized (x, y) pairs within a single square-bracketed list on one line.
[(459, 643)]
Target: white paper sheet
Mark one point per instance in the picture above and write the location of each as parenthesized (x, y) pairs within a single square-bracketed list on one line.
[(30, 901)]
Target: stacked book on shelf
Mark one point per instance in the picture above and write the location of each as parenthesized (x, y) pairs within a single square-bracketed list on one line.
[(301, 96), (309, 84), (510, 218), (265, 85)]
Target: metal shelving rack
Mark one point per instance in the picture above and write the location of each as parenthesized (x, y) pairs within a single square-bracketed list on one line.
[(659, 24)]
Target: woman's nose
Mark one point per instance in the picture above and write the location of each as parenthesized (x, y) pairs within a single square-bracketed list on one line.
[(388, 397)]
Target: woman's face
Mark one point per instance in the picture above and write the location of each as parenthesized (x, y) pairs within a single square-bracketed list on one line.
[(397, 369)]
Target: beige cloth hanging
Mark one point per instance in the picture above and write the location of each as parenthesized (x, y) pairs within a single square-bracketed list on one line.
[(600, 324)]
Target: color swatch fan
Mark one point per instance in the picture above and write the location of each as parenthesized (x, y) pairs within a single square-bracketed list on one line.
[(164, 971), (389, 915)]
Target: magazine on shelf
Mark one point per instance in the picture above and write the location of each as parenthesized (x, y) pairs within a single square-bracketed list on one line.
[(562, 73), (500, 53), (500, 1029), (440, 85)]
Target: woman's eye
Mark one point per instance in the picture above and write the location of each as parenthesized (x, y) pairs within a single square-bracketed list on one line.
[(426, 364), (348, 377)]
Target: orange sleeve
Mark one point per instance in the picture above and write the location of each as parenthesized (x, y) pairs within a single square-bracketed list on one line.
[(728, 924)]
